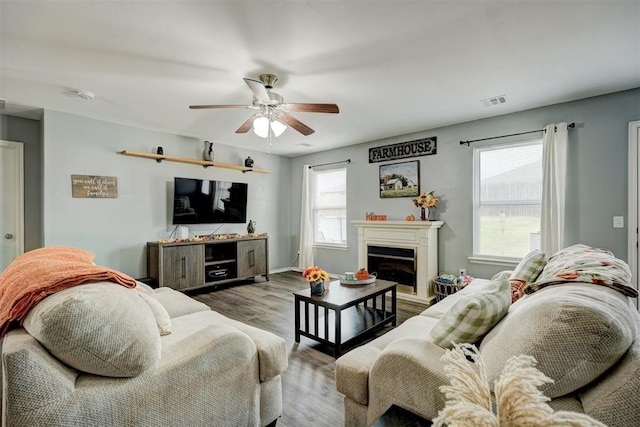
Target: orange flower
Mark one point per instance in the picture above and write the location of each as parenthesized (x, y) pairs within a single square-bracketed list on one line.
[(315, 274), (426, 200)]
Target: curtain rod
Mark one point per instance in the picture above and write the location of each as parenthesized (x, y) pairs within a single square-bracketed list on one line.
[(570, 126), (332, 163)]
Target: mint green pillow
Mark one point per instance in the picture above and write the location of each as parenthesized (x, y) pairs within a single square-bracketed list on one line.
[(530, 267), (470, 318)]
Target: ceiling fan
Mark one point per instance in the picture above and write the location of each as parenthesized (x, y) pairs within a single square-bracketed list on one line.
[(273, 113)]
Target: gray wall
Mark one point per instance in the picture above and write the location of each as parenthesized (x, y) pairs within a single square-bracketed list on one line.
[(596, 181), (29, 132), (117, 229)]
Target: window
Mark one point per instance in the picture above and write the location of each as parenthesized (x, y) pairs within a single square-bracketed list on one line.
[(507, 199), (329, 192)]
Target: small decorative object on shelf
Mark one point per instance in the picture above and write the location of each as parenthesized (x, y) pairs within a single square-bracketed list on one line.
[(207, 154), (425, 201), (208, 237), (251, 227), (248, 162), (410, 218), (317, 279), (370, 216), (159, 151)]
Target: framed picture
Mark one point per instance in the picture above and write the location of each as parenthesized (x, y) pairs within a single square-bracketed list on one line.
[(400, 179)]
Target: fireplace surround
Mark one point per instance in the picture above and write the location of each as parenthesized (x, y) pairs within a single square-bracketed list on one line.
[(407, 252)]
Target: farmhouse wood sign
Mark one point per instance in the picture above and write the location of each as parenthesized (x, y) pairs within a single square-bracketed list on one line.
[(94, 187), (403, 150)]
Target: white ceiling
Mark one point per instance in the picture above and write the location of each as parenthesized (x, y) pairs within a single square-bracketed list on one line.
[(393, 67)]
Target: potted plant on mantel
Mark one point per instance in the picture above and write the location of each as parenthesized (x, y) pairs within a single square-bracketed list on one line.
[(426, 201)]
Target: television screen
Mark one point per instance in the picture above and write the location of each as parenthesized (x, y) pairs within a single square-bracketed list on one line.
[(203, 201)]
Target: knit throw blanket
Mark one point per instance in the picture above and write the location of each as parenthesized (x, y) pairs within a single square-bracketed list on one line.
[(585, 264), (36, 274)]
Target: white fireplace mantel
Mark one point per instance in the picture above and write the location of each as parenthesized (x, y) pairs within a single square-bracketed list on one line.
[(422, 236)]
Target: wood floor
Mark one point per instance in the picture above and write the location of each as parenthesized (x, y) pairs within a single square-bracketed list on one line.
[(309, 394)]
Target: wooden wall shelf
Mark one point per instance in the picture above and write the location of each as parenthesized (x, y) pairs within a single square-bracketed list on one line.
[(204, 163)]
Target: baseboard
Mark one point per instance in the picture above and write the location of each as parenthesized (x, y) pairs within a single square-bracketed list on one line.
[(284, 270)]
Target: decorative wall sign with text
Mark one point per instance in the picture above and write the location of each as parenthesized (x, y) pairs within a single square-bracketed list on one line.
[(94, 187), (403, 150)]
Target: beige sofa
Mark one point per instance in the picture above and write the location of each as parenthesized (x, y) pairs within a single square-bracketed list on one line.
[(205, 370), (584, 336)]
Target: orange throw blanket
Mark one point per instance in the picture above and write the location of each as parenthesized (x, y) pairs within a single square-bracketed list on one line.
[(36, 274)]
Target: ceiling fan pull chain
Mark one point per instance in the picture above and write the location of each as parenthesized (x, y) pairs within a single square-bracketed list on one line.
[(269, 128)]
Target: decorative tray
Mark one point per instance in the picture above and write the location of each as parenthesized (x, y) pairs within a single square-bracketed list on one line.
[(370, 280)]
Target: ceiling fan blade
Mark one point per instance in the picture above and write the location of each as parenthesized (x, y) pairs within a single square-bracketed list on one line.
[(258, 89), (295, 123), (313, 108), (202, 107), (246, 126)]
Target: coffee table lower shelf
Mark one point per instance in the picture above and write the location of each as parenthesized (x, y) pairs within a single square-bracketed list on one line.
[(342, 325)]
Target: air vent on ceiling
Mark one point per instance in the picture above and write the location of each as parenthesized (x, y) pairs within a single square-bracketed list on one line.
[(496, 100), (304, 144)]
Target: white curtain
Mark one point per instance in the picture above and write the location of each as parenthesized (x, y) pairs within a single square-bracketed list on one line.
[(554, 167), (306, 221)]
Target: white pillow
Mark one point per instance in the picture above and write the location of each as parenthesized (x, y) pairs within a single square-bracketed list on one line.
[(159, 312), (97, 328)]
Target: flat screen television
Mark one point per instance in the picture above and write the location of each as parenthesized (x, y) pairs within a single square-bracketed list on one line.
[(203, 201)]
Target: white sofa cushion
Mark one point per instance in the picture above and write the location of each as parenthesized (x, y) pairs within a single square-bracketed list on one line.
[(575, 332), (101, 328), (473, 315), (178, 304), (159, 312)]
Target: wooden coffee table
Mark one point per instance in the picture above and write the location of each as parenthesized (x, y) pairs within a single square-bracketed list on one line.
[(344, 314)]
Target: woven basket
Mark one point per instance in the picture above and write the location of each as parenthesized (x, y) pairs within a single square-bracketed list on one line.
[(443, 289)]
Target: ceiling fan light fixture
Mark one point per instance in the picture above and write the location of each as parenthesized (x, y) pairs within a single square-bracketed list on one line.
[(261, 127), (278, 127)]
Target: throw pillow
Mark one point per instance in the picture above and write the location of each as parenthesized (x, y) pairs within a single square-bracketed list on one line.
[(474, 315), (97, 328), (527, 271), (530, 267), (159, 312), (575, 332)]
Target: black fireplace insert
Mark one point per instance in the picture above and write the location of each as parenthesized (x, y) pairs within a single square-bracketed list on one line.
[(394, 264)]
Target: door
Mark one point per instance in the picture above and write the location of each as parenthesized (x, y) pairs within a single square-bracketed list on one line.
[(12, 199), (252, 257), (183, 266), (633, 251)]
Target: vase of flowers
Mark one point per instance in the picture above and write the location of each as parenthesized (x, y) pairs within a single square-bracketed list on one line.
[(316, 278), (425, 201)]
